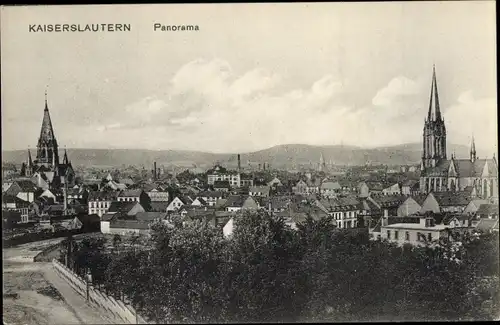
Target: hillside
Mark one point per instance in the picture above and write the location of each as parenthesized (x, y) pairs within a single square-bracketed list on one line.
[(278, 156)]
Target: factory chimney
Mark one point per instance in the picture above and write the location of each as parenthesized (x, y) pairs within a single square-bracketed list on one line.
[(239, 163), (155, 171)]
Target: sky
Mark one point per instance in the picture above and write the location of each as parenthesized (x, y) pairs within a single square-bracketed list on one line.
[(253, 75)]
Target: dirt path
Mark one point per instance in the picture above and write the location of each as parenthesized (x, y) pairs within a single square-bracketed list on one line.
[(34, 294)]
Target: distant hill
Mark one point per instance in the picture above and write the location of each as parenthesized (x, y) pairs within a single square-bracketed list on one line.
[(277, 156)]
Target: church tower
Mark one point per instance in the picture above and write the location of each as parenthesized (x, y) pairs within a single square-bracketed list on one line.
[(473, 155), (434, 135), (47, 150)]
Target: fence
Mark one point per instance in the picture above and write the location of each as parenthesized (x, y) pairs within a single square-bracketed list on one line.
[(114, 308)]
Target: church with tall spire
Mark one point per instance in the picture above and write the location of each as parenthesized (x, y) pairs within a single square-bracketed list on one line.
[(46, 170), (439, 174)]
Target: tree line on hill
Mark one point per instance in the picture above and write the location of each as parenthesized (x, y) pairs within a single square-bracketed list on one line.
[(268, 272)]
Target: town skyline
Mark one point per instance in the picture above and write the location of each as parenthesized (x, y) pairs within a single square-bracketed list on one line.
[(357, 82)]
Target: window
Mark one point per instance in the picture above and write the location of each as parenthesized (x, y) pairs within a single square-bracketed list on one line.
[(419, 236), (407, 235), (388, 234), (429, 236), (396, 234)]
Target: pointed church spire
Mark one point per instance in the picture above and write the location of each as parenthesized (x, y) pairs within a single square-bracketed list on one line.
[(434, 110), (65, 159), (473, 155), (46, 106), (47, 131), (30, 161)]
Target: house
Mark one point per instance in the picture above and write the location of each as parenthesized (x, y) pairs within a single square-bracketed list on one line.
[(236, 203), (136, 195), (61, 222), (115, 186), (487, 225), (106, 220), (417, 234), (391, 203), (330, 189), (259, 191), (487, 211), (128, 227), (159, 206), (78, 195), (410, 187), (130, 209), (219, 173), (222, 186), (300, 188), (411, 205), (178, 202), (344, 210), (228, 228), (275, 182), (211, 197), (14, 203), (363, 190), (155, 192), (23, 189), (473, 206), (438, 202), (150, 216), (5, 186), (393, 189), (199, 202), (313, 185), (99, 202), (246, 180)]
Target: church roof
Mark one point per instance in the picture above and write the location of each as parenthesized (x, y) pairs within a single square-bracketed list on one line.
[(47, 131)]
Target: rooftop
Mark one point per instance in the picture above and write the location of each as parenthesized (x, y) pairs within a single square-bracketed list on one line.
[(415, 226)]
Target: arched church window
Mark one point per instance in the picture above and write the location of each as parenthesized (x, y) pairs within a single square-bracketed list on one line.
[(491, 188), (485, 188), (452, 186)]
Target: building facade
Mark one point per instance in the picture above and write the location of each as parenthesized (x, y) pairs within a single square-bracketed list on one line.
[(439, 174), (47, 167)]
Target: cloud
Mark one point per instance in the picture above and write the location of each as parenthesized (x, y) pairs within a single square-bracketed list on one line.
[(395, 90), (209, 107), (476, 116)]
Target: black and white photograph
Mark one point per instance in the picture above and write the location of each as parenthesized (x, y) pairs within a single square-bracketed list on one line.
[(249, 163)]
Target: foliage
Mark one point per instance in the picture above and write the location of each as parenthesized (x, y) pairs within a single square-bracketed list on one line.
[(267, 272)]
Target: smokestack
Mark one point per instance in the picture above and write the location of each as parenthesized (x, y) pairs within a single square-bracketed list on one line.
[(259, 166), (264, 166), (154, 175), (239, 163)]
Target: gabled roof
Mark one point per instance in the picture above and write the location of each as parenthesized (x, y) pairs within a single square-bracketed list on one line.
[(159, 205), (223, 184), (120, 206), (110, 216), (131, 193), (129, 224), (102, 196), (488, 209), (150, 216), (451, 198), (331, 186), (410, 183), (7, 198), (420, 198), (26, 185), (261, 189), (487, 224), (212, 194), (235, 201)]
